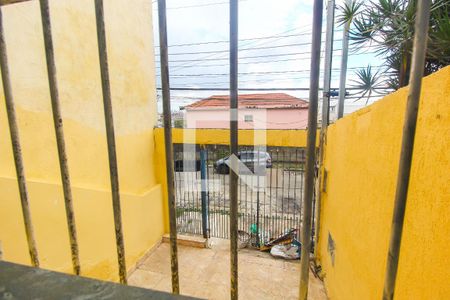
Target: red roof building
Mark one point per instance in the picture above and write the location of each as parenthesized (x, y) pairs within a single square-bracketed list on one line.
[(267, 101), (255, 111)]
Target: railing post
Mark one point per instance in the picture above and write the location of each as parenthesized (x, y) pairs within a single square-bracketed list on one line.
[(311, 147), (325, 112), (234, 147), (59, 132), (343, 75), (17, 151), (164, 58), (409, 131), (109, 124), (204, 193)]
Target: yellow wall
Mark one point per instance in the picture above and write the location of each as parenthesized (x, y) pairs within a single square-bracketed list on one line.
[(362, 155), (131, 61)]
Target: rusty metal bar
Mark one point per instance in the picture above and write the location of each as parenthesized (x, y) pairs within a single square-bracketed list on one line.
[(409, 131), (164, 58), (109, 123), (311, 148), (17, 151), (234, 148), (6, 2), (325, 112), (59, 131)]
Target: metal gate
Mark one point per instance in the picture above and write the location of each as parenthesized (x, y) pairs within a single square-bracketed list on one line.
[(269, 203)]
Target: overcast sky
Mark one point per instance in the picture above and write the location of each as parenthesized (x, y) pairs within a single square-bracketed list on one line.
[(272, 27)]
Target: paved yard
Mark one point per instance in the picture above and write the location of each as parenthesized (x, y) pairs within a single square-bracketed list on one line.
[(204, 273)]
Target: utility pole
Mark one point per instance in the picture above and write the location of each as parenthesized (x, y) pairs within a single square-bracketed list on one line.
[(343, 76), (325, 108)]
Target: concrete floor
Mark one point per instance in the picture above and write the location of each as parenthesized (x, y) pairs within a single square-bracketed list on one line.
[(204, 273)]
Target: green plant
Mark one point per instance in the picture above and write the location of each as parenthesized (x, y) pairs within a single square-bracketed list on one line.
[(388, 27)]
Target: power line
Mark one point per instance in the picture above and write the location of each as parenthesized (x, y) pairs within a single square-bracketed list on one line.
[(242, 49), (249, 43), (201, 5), (259, 56), (296, 59), (241, 73), (241, 40)]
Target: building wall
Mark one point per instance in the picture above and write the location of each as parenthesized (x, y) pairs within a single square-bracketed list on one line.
[(362, 155), (262, 118), (131, 62)]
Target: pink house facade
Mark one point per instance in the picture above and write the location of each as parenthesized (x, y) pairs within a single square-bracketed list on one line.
[(256, 111)]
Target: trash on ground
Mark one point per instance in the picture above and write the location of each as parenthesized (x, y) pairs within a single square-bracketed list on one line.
[(284, 239), (285, 251)]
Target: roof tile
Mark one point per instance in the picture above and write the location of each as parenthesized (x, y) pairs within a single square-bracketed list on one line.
[(268, 100)]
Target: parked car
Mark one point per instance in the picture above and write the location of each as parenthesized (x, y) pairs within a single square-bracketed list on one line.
[(251, 159)]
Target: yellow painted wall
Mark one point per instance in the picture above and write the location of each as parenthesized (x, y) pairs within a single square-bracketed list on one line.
[(362, 155), (131, 62)]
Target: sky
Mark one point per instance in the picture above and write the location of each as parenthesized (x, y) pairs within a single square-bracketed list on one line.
[(274, 47)]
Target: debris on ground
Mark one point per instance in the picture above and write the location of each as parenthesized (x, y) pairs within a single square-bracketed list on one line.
[(285, 251), (285, 246), (284, 239)]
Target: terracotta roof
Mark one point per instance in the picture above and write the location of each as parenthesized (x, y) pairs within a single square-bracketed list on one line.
[(269, 100)]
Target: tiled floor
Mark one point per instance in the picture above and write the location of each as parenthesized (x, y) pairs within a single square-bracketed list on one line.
[(204, 273)]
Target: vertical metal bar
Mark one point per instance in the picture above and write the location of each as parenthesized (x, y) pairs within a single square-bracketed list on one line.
[(204, 192), (409, 131), (257, 198), (17, 151), (233, 146), (109, 124), (343, 76), (59, 132), (325, 109), (329, 39), (164, 58), (311, 147)]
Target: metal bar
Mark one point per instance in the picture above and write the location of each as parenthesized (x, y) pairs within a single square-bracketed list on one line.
[(110, 137), (59, 132), (343, 76), (17, 151), (204, 192), (164, 58), (7, 2), (325, 110), (233, 146), (257, 198), (409, 131), (311, 147)]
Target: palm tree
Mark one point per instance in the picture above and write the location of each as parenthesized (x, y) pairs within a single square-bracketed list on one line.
[(388, 26), (369, 83), (349, 11)]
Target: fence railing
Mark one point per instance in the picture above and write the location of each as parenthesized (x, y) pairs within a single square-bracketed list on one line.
[(269, 200)]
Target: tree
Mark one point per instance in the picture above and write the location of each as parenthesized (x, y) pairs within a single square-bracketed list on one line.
[(388, 26), (178, 123)]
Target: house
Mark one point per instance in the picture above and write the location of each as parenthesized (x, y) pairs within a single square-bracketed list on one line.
[(256, 111)]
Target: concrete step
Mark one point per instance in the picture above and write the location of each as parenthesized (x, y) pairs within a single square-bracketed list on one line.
[(188, 240)]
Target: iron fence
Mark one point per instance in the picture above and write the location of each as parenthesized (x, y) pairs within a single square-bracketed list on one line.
[(269, 200)]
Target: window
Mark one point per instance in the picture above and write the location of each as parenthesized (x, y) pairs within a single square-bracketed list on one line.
[(248, 118)]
